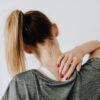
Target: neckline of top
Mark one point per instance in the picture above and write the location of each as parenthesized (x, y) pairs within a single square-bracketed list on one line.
[(51, 81), (73, 77)]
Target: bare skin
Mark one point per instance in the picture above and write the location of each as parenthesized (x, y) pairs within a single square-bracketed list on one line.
[(48, 53), (75, 56), (51, 56)]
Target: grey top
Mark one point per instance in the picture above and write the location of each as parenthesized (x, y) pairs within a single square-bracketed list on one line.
[(33, 85)]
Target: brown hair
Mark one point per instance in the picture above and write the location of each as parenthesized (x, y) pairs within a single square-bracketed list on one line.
[(30, 28)]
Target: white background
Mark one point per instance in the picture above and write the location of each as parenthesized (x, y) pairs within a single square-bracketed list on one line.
[(78, 22)]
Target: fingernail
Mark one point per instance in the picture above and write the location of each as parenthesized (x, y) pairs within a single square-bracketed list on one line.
[(67, 78), (58, 65), (61, 75)]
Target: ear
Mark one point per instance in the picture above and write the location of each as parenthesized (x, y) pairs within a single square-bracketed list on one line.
[(54, 30), (28, 49)]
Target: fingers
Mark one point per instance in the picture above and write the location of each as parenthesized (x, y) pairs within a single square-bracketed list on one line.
[(62, 64), (66, 65), (60, 59), (71, 69), (79, 66)]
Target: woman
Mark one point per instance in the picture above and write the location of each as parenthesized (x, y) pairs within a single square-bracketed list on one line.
[(34, 33)]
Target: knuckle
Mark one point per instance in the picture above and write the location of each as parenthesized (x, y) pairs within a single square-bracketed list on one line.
[(62, 62), (71, 54), (66, 56), (72, 67), (75, 59), (66, 68), (63, 71)]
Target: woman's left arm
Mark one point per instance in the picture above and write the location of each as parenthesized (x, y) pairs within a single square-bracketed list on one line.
[(72, 59)]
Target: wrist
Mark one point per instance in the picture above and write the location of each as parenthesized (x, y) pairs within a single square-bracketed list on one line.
[(81, 50)]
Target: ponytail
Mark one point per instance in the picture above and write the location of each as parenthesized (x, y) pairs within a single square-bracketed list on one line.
[(15, 56)]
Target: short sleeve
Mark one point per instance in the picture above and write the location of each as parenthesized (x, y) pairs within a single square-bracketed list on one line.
[(93, 63), (13, 91), (90, 73)]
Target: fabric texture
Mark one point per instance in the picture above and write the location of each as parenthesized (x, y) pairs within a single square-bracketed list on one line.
[(32, 85)]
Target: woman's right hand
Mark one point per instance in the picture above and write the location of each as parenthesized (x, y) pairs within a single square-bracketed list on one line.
[(69, 61)]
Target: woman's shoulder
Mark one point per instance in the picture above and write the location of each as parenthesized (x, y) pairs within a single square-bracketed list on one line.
[(93, 63), (90, 71), (18, 85), (25, 77)]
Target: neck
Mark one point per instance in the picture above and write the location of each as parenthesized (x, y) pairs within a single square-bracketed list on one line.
[(48, 58)]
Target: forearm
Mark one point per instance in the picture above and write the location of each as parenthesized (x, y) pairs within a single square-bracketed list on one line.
[(89, 47)]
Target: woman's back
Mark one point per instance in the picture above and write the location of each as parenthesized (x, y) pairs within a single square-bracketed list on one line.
[(32, 85)]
